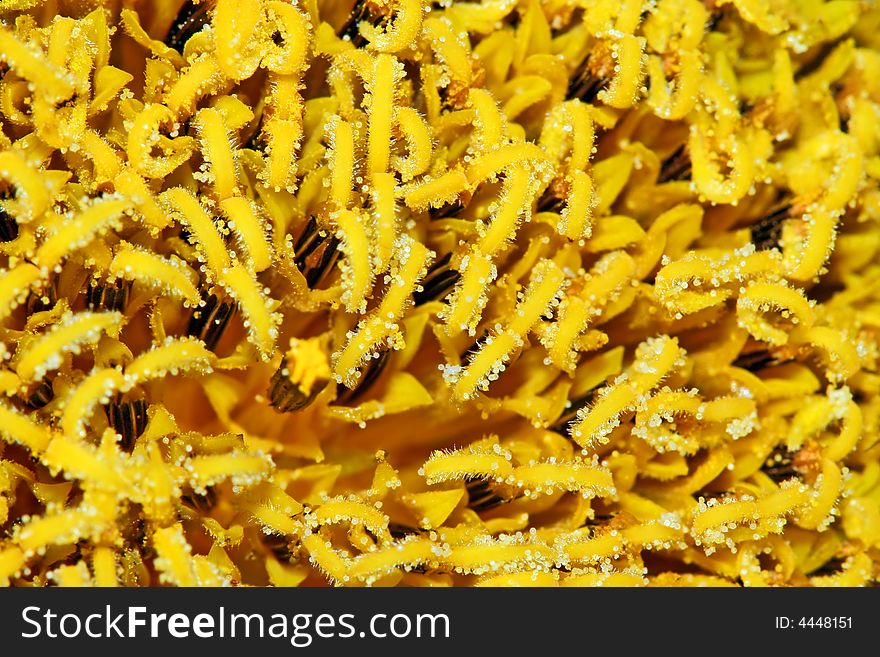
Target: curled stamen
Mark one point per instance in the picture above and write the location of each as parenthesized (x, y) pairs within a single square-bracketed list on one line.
[(680, 374)]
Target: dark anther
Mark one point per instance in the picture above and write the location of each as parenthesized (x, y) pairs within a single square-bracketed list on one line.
[(779, 466), (279, 546), (104, 296), (563, 424), (286, 396), (439, 281), (208, 322), (369, 374), (398, 530), (190, 20), (137, 532), (714, 19), (767, 231), (70, 102), (599, 520), (474, 348), (41, 300), (755, 361), (315, 252), (256, 140), (41, 395), (446, 210), (831, 567), (586, 85), (675, 167), (359, 13), (815, 63), (201, 501), (128, 419), (716, 495), (481, 495), (8, 227), (550, 201)]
